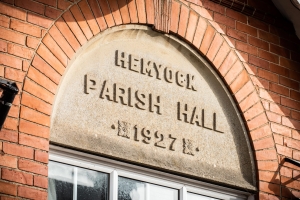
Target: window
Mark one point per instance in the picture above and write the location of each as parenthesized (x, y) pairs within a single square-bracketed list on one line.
[(72, 182), (76, 175)]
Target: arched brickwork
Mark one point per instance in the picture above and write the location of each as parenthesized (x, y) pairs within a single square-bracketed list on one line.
[(55, 51), (82, 20)]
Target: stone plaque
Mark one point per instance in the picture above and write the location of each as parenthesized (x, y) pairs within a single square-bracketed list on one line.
[(139, 96)]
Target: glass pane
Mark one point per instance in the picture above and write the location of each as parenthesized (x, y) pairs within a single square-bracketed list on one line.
[(159, 192), (192, 196), (129, 189), (92, 185), (60, 181)]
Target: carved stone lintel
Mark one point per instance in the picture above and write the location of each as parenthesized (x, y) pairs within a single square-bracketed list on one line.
[(162, 10)]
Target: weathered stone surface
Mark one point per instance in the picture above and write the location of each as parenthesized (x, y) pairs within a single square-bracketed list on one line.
[(173, 115)]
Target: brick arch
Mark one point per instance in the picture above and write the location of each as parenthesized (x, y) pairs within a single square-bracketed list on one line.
[(74, 28)]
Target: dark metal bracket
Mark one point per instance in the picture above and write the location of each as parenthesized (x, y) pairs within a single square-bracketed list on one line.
[(8, 91), (294, 162)]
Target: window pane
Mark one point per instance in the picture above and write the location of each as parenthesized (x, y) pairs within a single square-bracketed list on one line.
[(129, 189), (92, 185), (192, 196), (60, 181), (159, 192)]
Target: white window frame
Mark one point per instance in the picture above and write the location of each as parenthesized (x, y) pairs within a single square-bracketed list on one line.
[(117, 168)]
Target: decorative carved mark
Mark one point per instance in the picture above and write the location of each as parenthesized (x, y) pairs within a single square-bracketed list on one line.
[(188, 147), (162, 15), (160, 143), (124, 129)]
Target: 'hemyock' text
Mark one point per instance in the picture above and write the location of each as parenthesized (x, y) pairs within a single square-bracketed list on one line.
[(146, 67)]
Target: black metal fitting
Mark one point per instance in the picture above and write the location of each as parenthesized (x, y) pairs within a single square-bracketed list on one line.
[(294, 162), (8, 91)]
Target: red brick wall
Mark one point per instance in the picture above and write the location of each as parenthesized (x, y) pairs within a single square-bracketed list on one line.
[(258, 61)]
